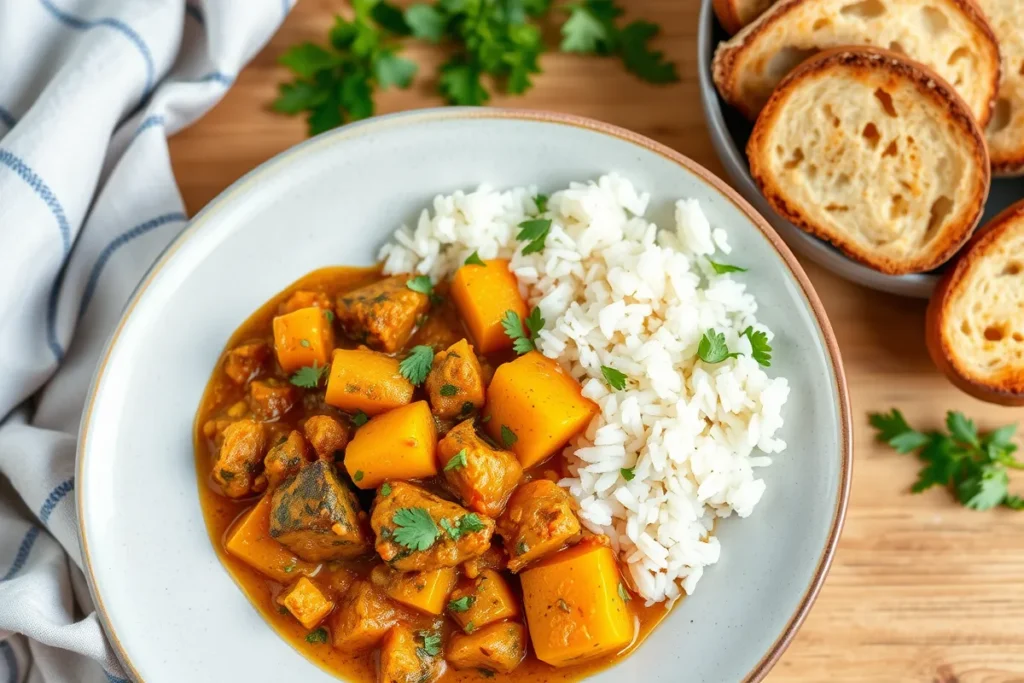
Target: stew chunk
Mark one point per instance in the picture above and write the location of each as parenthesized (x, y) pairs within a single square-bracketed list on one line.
[(362, 618), (285, 459), (482, 476), (424, 591), (399, 444), (367, 381), (250, 542), (303, 337), (484, 601), (306, 603), (239, 459), (327, 435), (483, 294), (271, 398), (455, 383), (382, 315), (315, 515), (540, 519), (417, 531), (245, 361), (498, 647), (403, 661)]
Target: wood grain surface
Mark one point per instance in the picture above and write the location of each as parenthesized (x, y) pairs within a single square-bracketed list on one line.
[(921, 589)]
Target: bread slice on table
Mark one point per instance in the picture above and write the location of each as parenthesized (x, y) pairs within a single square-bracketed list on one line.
[(950, 36), (735, 14), (976, 315), (1006, 127), (875, 154)]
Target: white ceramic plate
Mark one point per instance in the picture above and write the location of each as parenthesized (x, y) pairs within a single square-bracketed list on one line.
[(170, 608)]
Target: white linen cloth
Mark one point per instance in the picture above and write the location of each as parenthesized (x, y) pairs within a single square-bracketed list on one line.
[(89, 92)]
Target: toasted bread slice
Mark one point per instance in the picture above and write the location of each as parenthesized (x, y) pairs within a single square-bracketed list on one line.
[(950, 36), (976, 316), (875, 154), (1006, 128), (735, 14)]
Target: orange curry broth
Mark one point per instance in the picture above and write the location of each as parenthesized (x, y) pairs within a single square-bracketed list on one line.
[(442, 328)]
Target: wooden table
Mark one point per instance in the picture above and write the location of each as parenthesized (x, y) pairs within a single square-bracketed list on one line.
[(921, 589)]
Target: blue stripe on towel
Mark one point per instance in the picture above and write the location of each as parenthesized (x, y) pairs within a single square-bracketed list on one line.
[(117, 243), (21, 557), (12, 662), (56, 495), (127, 31)]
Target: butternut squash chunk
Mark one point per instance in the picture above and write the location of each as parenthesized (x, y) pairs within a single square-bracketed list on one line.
[(367, 381), (424, 591), (483, 477), (399, 444), (498, 647), (402, 660), (362, 619), (251, 543), (483, 294), (306, 603), (535, 407), (483, 601), (455, 384), (574, 607), (303, 337)]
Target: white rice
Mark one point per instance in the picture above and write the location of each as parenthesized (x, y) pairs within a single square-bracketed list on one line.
[(616, 290)]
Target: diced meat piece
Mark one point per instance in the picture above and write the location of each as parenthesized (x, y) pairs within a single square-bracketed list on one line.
[(483, 477), (285, 459), (483, 601), (241, 453), (317, 516), (244, 362), (498, 647), (447, 533), (362, 619), (305, 298), (540, 519), (442, 326), (495, 558), (327, 435), (271, 398), (402, 660), (306, 602), (382, 315), (455, 384), (424, 591)]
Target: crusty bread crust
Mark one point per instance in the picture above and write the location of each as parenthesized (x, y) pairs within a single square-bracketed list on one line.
[(929, 85), (1007, 388), (733, 15), (727, 69), (1006, 128)]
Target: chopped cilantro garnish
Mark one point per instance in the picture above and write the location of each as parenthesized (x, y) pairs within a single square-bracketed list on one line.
[(508, 437), (616, 380), (462, 604), (309, 377), (360, 418), (385, 490), (317, 636), (457, 462), (627, 473), (416, 366), (534, 232), (475, 260), (448, 390), (414, 528)]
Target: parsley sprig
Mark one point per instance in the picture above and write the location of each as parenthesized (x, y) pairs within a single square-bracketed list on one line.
[(534, 232), (414, 528), (713, 349), (972, 465), (310, 376), (416, 366), (523, 333)]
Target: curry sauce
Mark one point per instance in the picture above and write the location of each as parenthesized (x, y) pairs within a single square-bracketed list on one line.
[(282, 411)]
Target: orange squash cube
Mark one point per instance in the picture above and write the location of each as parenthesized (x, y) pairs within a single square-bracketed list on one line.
[(400, 444), (306, 603), (425, 591), (251, 543), (366, 380), (574, 607), (483, 294), (483, 601), (302, 338), (535, 407)]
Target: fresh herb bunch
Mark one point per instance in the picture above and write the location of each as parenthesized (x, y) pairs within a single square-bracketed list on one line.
[(497, 39), (972, 466)]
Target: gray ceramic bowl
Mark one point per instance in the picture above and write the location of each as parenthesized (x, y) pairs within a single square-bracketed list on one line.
[(729, 132), (336, 199)]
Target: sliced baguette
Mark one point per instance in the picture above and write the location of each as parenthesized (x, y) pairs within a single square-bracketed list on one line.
[(735, 14), (875, 154), (950, 36), (1006, 128), (976, 315)]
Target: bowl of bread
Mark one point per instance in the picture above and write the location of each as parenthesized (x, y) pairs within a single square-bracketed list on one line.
[(884, 140)]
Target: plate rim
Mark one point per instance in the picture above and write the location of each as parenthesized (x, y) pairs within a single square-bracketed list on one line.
[(368, 127)]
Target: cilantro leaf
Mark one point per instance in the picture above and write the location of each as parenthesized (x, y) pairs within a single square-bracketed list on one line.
[(317, 636), (623, 593), (650, 65), (535, 322), (460, 84), (457, 462), (414, 529), (513, 326), (392, 70), (723, 268), (431, 643), (390, 17), (426, 22), (583, 32), (889, 425), (616, 380), (985, 490), (385, 490), (712, 348), (309, 377), (308, 59), (297, 97), (470, 523), (627, 473), (461, 604), (421, 284), (508, 437), (474, 260), (360, 418), (534, 232), (448, 390), (358, 476), (962, 429), (541, 201), (416, 366), (760, 349)]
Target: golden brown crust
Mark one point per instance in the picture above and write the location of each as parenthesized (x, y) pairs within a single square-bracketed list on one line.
[(727, 15), (930, 85), (724, 71), (1008, 390)]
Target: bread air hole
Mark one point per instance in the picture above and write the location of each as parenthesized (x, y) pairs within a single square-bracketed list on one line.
[(995, 333), (965, 328), (872, 135), (892, 150), (885, 99), (934, 20), (941, 208), (958, 54), (820, 24), (837, 208), (1011, 268), (1002, 113), (794, 161), (899, 207), (830, 113), (897, 48), (867, 9), (1018, 337)]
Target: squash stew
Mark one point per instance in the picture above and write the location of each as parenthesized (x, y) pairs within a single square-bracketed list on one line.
[(377, 462)]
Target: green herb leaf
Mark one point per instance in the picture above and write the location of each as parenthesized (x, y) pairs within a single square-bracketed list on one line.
[(306, 60), (392, 70), (431, 643), (562, 605), (534, 232), (535, 322), (462, 604), (760, 349), (290, 567), (650, 65), (448, 390), (470, 523), (712, 348), (469, 628), (390, 17), (297, 97), (486, 673), (317, 636), (590, 28), (457, 462), (623, 593), (358, 476), (329, 315), (508, 437), (309, 377), (421, 284), (226, 475), (627, 473), (889, 425), (414, 528), (385, 490), (723, 268), (541, 201), (513, 326), (360, 418), (962, 429), (460, 84), (522, 548), (416, 366), (304, 343), (616, 380), (474, 260), (426, 22)]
